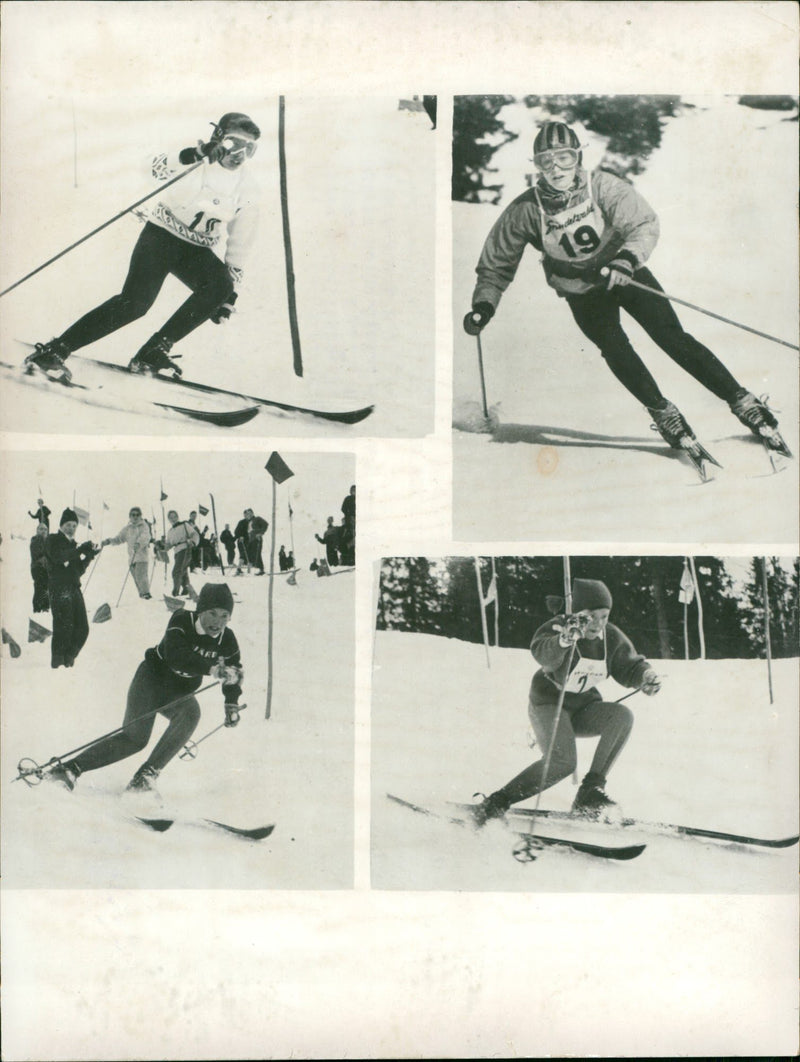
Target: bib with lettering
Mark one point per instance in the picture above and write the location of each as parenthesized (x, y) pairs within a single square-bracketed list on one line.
[(587, 673)]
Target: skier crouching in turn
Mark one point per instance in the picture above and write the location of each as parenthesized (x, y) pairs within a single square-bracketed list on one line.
[(194, 645), (576, 652), (181, 233), (584, 223)]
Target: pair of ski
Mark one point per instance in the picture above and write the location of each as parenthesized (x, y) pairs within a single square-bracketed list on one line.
[(517, 818), (221, 418)]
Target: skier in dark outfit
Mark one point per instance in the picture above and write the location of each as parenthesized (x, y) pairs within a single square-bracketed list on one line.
[(38, 548), (598, 650), (42, 514), (179, 237), (229, 542), (195, 644), (583, 223), (66, 563)]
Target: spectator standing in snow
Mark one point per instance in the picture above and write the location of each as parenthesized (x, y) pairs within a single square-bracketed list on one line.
[(195, 645), (229, 542), (42, 514), (255, 541), (38, 548), (575, 653), (137, 535), (241, 534), (330, 540), (66, 563), (182, 537), (595, 233)]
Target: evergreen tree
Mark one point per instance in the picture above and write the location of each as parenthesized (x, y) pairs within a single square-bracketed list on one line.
[(475, 119)]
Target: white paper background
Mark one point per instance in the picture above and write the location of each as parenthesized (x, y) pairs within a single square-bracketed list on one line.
[(165, 975)]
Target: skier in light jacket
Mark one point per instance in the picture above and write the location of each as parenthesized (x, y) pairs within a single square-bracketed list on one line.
[(212, 205), (137, 535), (182, 537), (595, 233), (576, 652)]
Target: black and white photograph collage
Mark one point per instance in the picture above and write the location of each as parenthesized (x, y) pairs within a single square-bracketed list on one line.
[(399, 529)]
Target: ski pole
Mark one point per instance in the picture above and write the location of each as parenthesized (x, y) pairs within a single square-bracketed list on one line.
[(673, 298), (216, 536), (294, 329), (37, 769), (483, 380), (99, 228), (190, 748), (124, 582)]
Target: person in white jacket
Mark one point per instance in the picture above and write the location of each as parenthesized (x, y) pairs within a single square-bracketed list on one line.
[(595, 233), (182, 537), (186, 226), (136, 534)]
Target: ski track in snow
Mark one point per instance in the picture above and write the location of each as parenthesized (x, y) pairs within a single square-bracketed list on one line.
[(295, 770), (708, 751), (573, 457), (362, 224)]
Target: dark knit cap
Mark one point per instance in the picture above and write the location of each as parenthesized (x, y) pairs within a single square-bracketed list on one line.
[(68, 516), (214, 595), (590, 593)]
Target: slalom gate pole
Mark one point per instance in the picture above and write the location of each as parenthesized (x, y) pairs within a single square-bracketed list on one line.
[(767, 638), (482, 607), (700, 629), (189, 751), (708, 313), (124, 582), (112, 733), (99, 228), (483, 378), (270, 616), (216, 535), (287, 240)]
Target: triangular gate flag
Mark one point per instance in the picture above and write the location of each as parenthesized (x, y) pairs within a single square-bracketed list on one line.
[(173, 603), (13, 648), (202, 510), (36, 632), (102, 614), (277, 468)]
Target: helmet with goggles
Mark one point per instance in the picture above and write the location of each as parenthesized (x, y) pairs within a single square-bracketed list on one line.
[(556, 146), (237, 133)]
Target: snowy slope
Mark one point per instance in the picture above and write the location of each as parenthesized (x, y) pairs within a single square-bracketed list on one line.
[(573, 456), (708, 751), (295, 770), (362, 228)]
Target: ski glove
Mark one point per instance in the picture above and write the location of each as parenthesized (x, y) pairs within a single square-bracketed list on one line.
[(478, 318), (651, 683), (620, 273), (223, 312), (571, 630), (232, 714), (88, 549)]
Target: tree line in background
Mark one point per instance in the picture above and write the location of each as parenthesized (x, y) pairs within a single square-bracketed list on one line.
[(440, 596), (632, 126)]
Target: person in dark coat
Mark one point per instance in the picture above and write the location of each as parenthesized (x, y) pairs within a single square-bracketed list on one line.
[(66, 563), (41, 594), (195, 645), (229, 542), (42, 514), (330, 540)]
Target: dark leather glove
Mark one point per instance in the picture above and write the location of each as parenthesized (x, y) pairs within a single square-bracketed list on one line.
[(223, 312), (478, 318)]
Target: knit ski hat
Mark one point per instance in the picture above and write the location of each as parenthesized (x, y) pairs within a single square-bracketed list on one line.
[(590, 593), (215, 595), (68, 516)]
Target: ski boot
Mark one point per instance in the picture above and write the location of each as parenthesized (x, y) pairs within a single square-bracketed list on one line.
[(65, 774), (491, 807), (756, 415), (671, 425), (591, 799), (144, 780), (48, 359), (153, 357)]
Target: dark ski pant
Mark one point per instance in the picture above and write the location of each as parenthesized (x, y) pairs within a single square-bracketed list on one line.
[(148, 691), (180, 572), (70, 625), (157, 254), (597, 314), (41, 593), (582, 715)]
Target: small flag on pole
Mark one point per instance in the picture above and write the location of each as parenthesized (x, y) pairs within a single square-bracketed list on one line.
[(105, 507), (202, 510), (163, 495), (83, 516), (36, 632), (491, 593), (103, 614), (13, 648), (686, 593), (277, 468)]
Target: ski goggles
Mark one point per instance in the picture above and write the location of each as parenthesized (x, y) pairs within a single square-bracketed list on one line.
[(561, 158), (238, 146)]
